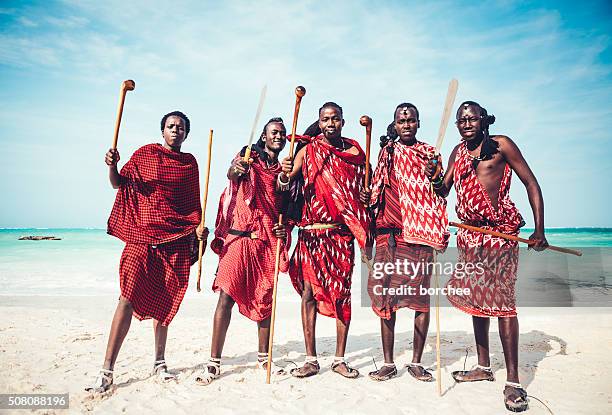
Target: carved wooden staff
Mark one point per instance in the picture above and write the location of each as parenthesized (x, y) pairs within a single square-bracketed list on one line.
[(513, 238), (300, 91), (201, 247), (127, 85), (367, 123)]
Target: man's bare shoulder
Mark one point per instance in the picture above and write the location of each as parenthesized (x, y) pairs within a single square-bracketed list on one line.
[(504, 142)]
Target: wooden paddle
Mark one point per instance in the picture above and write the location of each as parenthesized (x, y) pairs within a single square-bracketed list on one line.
[(262, 98), (201, 248), (300, 91), (513, 238), (127, 85)]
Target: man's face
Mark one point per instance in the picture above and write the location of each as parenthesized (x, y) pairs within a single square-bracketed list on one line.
[(406, 123), (469, 122), (174, 131), (331, 123), (276, 137)]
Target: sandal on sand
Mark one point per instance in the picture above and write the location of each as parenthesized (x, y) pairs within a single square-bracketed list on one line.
[(389, 369), (425, 376), (464, 375), (262, 363), (515, 397), (160, 369), (102, 383), (310, 368), (351, 373), (211, 372)]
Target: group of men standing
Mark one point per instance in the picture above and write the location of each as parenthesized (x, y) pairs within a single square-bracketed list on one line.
[(320, 189)]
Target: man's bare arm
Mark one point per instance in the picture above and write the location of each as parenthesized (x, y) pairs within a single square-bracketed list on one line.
[(111, 159), (517, 162), (443, 189), (292, 168)]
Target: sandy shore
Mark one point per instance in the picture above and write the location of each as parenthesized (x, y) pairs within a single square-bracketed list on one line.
[(56, 345)]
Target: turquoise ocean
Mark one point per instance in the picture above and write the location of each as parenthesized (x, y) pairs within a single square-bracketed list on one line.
[(85, 261)]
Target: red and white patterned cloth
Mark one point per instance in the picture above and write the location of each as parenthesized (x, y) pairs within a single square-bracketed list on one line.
[(423, 212), (413, 275), (246, 266), (325, 258), (156, 211), (491, 291)]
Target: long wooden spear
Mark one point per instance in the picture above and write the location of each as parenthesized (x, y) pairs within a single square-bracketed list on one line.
[(300, 91), (513, 238), (201, 247)]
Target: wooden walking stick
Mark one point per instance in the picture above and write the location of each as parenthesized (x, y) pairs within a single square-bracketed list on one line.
[(262, 98), (438, 366), (300, 91), (201, 248), (273, 316), (127, 85), (446, 113), (513, 238), (367, 123)]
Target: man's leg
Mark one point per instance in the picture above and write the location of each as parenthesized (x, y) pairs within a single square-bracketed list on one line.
[(221, 321), (119, 329), (263, 334), (160, 368), (339, 365), (309, 319), (161, 335), (387, 334), (509, 334), (309, 322), (483, 370), (481, 334), (421, 326)]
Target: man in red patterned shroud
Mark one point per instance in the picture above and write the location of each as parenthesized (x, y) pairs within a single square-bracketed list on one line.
[(332, 169), (481, 168), (157, 214), (411, 223), (246, 232)]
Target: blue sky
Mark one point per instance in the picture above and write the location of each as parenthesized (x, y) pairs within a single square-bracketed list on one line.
[(543, 68)]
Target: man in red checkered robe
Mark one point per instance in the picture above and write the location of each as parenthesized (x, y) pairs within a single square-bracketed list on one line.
[(481, 168), (156, 213), (332, 169), (411, 223), (246, 235)]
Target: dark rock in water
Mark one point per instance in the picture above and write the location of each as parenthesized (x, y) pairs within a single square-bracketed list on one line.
[(39, 238)]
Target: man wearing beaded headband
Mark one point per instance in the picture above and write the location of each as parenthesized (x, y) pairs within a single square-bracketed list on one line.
[(411, 223), (480, 168)]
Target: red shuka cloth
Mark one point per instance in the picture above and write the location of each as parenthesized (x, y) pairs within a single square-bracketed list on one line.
[(325, 258), (246, 266), (423, 213), (156, 211), (492, 289)]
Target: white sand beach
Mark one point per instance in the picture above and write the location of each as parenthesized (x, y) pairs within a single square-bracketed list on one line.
[(56, 345)]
